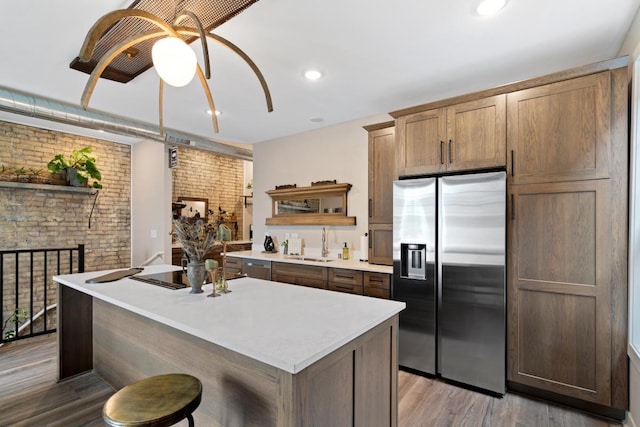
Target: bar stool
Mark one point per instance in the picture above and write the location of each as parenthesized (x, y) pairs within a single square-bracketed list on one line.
[(157, 401)]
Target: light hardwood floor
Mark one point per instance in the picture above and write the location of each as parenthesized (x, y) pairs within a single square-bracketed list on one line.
[(30, 396)]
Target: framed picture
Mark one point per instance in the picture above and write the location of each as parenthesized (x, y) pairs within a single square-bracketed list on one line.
[(194, 206)]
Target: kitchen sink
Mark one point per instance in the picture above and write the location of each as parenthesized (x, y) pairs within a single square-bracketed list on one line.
[(309, 258)]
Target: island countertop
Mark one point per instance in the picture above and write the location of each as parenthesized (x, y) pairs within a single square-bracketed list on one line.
[(286, 326)]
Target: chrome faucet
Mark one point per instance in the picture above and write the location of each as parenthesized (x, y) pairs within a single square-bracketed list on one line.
[(325, 248)]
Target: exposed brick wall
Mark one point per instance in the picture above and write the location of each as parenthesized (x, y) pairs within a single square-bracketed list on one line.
[(204, 174), (33, 219)]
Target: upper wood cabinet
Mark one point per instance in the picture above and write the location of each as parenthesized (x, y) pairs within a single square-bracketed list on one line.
[(465, 136), (560, 131), (382, 173)]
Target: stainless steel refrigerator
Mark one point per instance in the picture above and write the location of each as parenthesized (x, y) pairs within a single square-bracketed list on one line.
[(449, 268)]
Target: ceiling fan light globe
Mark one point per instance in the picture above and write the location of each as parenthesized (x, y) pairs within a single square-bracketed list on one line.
[(174, 61)]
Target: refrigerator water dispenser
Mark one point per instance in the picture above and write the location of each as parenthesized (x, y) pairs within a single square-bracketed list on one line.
[(413, 261)]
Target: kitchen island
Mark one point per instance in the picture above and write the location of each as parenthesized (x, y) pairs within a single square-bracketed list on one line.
[(267, 353)]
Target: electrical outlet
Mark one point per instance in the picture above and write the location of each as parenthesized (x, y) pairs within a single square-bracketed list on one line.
[(154, 234)]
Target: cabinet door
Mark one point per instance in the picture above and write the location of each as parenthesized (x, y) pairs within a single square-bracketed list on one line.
[(559, 304), (476, 133), (381, 244), (560, 131), (420, 142), (382, 173)]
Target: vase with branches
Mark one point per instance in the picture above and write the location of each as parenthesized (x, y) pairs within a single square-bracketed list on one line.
[(197, 237)]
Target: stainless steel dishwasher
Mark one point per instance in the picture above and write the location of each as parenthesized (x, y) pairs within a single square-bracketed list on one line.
[(256, 268)]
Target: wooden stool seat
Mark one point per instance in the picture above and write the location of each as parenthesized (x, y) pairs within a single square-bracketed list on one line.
[(157, 401)]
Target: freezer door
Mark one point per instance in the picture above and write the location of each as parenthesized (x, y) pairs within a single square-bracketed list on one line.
[(414, 244), (472, 279)]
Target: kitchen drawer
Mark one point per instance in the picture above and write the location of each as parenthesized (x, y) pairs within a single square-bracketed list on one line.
[(298, 274), (377, 292), (344, 287), (344, 276), (377, 285), (301, 281)]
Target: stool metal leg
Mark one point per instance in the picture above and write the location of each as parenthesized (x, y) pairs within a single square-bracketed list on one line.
[(190, 418)]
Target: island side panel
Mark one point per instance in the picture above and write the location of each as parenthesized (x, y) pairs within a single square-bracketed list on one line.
[(355, 385), (237, 390), (241, 391), (74, 325)]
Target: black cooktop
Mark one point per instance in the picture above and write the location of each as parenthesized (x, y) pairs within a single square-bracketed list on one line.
[(170, 280)]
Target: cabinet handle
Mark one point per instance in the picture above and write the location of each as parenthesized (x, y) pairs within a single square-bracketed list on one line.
[(442, 152), (348, 288), (370, 239), (344, 277), (513, 165), (513, 211), (370, 203), (450, 151)]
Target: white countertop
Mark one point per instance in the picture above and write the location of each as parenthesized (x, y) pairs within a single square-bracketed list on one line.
[(286, 326), (351, 264)]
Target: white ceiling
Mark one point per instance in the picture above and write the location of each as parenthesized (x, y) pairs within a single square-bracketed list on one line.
[(377, 56)]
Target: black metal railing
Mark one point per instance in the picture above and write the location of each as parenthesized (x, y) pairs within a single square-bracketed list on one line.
[(27, 290)]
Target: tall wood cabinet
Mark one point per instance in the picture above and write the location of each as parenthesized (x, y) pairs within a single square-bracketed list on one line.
[(464, 136), (382, 173), (567, 234), (563, 140)]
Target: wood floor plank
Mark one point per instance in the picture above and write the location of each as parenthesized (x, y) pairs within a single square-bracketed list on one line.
[(31, 397)]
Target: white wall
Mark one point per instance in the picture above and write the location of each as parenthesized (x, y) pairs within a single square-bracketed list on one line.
[(336, 152), (150, 202)]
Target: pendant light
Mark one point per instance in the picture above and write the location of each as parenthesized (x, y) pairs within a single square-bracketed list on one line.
[(174, 61)]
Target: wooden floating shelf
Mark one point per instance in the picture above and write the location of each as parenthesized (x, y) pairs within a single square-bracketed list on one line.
[(281, 199), (47, 187)]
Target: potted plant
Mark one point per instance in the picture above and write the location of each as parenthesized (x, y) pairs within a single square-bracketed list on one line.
[(79, 168)]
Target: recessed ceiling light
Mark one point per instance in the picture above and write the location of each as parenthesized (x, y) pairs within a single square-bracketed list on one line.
[(217, 112), (316, 119), (490, 7), (312, 74)]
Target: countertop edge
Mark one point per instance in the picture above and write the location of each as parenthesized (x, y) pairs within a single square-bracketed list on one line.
[(338, 263)]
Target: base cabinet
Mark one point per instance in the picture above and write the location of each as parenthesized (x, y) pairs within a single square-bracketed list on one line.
[(357, 282), (299, 274)]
